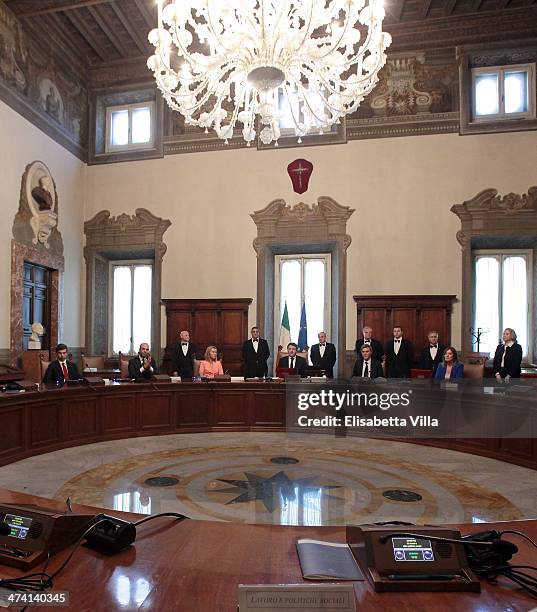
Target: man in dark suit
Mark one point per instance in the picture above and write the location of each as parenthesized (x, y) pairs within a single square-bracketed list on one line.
[(376, 346), (255, 354), (183, 357), (367, 366), (432, 354), (143, 366), (399, 355), (293, 361), (61, 370), (323, 355)]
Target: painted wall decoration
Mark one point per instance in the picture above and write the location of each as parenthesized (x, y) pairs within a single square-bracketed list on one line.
[(31, 79)]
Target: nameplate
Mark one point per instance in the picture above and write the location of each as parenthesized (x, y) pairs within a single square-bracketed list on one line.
[(291, 597)]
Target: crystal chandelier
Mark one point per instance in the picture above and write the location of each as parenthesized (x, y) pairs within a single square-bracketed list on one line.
[(310, 62)]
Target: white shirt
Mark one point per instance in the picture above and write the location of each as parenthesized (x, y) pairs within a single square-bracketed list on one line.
[(184, 347), (434, 351), (255, 344), (510, 343), (322, 348), (142, 369), (396, 345), (368, 365)]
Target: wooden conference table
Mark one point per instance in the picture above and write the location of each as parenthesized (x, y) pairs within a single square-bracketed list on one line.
[(46, 420), (196, 566)]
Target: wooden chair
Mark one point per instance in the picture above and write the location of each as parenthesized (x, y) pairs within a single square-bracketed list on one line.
[(123, 368), (92, 361), (476, 358), (474, 370), (284, 353), (43, 365)]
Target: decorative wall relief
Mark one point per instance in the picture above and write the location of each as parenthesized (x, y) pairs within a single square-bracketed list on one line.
[(36, 221), (416, 94), (35, 84), (399, 94)]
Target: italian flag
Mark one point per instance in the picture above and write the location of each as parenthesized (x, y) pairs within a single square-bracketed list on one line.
[(285, 329)]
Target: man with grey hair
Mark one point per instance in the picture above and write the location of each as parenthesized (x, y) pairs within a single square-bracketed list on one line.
[(376, 346), (323, 355), (433, 353), (183, 357)]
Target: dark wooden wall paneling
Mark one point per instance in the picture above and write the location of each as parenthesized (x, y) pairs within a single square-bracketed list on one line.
[(222, 322), (416, 314)]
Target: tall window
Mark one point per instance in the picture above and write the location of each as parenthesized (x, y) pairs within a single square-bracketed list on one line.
[(504, 92), (131, 305), (303, 279), (129, 127), (502, 281)]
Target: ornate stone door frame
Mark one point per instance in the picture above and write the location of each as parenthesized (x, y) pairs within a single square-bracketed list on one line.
[(282, 229), (35, 255), (109, 238), (490, 215)]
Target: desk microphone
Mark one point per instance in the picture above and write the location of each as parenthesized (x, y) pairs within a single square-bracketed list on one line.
[(5, 529)]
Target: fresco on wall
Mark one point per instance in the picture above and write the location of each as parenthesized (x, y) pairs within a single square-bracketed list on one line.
[(35, 80)]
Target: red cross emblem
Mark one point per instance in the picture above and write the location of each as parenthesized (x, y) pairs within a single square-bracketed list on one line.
[(300, 172)]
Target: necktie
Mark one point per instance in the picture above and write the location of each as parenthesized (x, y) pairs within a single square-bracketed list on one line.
[(397, 340), (322, 345), (434, 345), (256, 340), (366, 371), (183, 343), (64, 370), (292, 364)]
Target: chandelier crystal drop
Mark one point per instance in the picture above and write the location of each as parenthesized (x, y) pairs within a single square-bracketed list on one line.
[(306, 63)]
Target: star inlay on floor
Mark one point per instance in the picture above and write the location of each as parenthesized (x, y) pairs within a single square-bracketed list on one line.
[(273, 491), (281, 479)]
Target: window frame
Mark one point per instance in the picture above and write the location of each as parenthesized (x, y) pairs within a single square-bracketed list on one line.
[(130, 146), (500, 71), (132, 263), (501, 254), (278, 260)]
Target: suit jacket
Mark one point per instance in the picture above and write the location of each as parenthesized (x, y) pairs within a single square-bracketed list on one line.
[(54, 373), (300, 364), (181, 363), (327, 361), (376, 347), (512, 361), (376, 368), (457, 371), (399, 365), (426, 362), (255, 363), (134, 369)]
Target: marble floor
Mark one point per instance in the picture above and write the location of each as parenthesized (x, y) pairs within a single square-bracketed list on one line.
[(281, 478)]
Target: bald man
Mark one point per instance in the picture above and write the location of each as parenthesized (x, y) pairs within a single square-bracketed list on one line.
[(183, 357), (143, 366)]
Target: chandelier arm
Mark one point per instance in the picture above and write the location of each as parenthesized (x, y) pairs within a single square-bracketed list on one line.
[(230, 65), (276, 25), (199, 103), (310, 19), (323, 122), (210, 24), (295, 121), (345, 29)]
